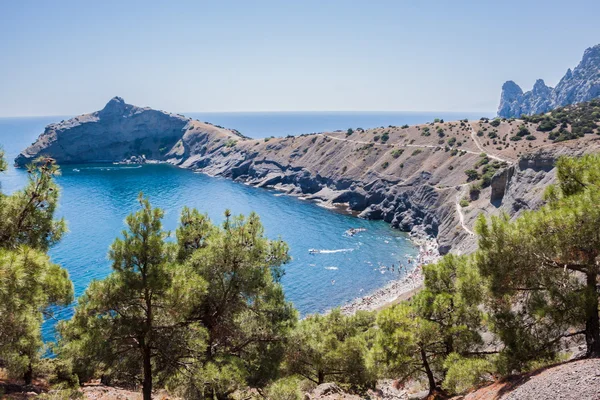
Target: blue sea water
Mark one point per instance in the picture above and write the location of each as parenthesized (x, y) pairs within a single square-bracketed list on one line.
[(96, 198)]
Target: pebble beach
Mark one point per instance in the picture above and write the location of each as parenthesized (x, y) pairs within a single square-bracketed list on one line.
[(403, 287)]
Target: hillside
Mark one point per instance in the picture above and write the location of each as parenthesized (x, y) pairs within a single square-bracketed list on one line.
[(579, 85), (434, 178)]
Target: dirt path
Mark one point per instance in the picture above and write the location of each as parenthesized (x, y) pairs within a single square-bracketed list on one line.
[(427, 146), (480, 147), (461, 215)]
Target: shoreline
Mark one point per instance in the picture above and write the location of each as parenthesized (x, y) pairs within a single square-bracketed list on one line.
[(400, 289)]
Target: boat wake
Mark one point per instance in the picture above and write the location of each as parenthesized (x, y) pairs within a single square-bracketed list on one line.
[(316, 251)]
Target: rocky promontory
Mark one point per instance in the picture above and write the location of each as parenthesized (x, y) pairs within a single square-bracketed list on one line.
[(119, 132), (579, 85), (433, 178)]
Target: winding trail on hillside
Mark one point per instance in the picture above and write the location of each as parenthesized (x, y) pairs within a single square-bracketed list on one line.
[(461, 215), (483, 150), (459, 211), (426, 146)]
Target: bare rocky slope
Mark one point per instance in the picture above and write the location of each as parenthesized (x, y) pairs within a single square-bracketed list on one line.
[(433, 178), (581, 84)]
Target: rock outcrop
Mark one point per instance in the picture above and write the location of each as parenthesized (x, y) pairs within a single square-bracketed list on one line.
[(120, 132), (406, 176), (581, 84)]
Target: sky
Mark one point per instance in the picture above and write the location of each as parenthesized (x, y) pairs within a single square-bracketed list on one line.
[(70, 57)]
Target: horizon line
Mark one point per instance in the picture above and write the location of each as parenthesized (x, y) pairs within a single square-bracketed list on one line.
[(265, 112)]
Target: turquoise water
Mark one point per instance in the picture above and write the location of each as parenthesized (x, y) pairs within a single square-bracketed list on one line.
[(96, 198)]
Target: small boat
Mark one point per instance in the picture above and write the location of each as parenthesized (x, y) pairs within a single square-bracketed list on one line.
[(354, 231), (76, 170), (313, 251)]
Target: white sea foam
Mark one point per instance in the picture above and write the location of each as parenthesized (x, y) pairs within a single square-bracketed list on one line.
[(334, 251)]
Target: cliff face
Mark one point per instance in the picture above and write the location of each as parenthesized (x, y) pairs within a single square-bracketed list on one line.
[(581, 84), (434, 178), (119, 131)]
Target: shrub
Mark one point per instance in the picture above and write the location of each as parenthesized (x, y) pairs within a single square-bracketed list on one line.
[(385, 137), (464, 203), (404, 126), (451, 141), (230, 143), (495, 122), (385, 165), (349, 132), (523, 131), (417, 151), (397, 153), (474, 191), (546, 125), (530, 137), (471, 175)]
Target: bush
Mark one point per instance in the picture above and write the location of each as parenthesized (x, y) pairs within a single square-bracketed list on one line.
[(417, 151), (465, 373), (285, 389), (464, 203), (546, 125), (495, 122), (404, 126), (474, 191), (523, 131), (472, 175), (530, 137), (385, 165), (349, 132), (230, 143), (451, 141), (515, 138), (385, 137), (397, 153)]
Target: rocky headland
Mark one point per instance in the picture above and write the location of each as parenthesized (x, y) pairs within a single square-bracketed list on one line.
[(579, 85), (430, 179)]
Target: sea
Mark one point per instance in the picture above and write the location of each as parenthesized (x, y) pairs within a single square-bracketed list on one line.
[(95, 199)]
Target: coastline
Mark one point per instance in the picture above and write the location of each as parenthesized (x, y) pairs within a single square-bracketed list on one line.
[(400, 289)]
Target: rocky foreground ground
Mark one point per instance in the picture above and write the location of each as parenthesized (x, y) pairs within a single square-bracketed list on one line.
[(574, 380)]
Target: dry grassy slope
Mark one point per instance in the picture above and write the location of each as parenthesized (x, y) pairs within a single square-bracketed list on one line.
[(414, 180), (412, 177)]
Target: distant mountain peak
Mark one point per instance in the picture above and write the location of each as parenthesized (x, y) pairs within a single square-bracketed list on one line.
[(578, 85)]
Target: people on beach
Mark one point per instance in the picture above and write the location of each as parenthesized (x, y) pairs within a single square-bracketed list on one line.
[(428, 253)]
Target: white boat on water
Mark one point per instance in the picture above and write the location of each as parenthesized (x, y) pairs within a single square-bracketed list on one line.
[(354, 231)]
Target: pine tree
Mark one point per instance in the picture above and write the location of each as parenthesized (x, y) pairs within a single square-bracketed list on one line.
[(333, 347), (443, 320), (30, 284), (244, 309), (132, 326), (543, 268)]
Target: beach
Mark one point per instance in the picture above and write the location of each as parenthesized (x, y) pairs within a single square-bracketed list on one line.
[(404, 287)]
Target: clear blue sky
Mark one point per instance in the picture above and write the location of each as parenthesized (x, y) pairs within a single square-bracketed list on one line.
[(70, 57)]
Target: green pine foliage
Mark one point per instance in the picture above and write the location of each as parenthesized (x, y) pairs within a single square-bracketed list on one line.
[(30, 284), (333, 347)]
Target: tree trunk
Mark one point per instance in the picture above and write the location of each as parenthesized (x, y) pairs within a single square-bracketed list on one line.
[(321, 377), (430, 376), (147, 384), (28, 375), (592, 324)]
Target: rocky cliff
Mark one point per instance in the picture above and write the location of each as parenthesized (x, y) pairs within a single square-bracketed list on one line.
[(120, 131), (433, 178), (581, 84)]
